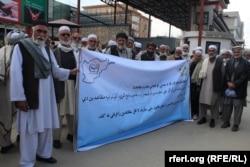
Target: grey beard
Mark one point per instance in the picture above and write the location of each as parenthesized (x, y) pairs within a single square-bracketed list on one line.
[(39, 41), (76, 45), (65, 42), (120, 47)]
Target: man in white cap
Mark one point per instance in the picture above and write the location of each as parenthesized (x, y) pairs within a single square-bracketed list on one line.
[(33, 67), (110, 43), (65, 90), (7, 111), (211, 75), (137, 48), (163, 52), (76, 44), (92, 43), (130, 42), (177, 54), (84, 41), (195, 83), (236, 80), (185, 51)]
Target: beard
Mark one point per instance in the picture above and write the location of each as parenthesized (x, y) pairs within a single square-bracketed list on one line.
[(92, 47), (65, 42), (39, 40), (237, 56), (211, 56), (76, 45), (121, 47)]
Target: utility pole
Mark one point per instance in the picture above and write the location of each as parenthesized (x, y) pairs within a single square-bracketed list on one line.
[(78, 14), (201, 21)]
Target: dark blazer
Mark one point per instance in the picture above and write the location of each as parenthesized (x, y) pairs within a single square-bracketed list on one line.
[(241, 74), (217, 76)]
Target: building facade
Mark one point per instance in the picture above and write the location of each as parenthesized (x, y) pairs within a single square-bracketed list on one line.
[(215, 29), (139, 23)]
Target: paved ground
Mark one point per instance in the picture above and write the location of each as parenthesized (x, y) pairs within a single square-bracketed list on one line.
[(148, 150)]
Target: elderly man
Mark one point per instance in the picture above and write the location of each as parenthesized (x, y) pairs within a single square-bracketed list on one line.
[(92, 43), (7, 111), (121, 49), (65, 90), (177, 54), (237, 72), (163, 52), (185, 51), (195, 86), (130, 42), (33, 67), (76, 44), (211, 75), (84, 41)]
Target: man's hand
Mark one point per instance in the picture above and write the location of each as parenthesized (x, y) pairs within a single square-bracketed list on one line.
[(230, 85), (74, 71), (22, 105)]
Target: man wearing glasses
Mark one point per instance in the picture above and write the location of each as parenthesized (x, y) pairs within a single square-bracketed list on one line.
[(93, 43), (65, 94)]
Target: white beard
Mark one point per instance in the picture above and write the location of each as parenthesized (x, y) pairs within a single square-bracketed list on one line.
[(65, 42), (39, 40), (121, 47), (76, 45)]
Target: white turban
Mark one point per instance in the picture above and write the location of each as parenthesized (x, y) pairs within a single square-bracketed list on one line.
[(64, 28), (131, 38), (84, 39), (178, 48), (137, 44), (185, 45), (111, 43), (92, 36), (198, 52), (212, 47)]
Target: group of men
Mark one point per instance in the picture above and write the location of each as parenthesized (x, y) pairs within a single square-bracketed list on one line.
[(219, 83), (42, 84)]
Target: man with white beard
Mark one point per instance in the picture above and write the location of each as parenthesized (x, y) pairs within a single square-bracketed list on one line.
[(237, 72), (65, 90), (76, 44), (211, 75), (92, 43), (121, 49), (33, 67), (185, 51), (163, 52)]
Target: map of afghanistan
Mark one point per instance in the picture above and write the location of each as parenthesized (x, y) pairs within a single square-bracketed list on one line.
[(91, 70)]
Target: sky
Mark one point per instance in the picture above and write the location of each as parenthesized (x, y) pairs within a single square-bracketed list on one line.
[(235, 5)]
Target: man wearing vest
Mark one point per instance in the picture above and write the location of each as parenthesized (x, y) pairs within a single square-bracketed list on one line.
[(33, 67), (120, 49), (65, 90)]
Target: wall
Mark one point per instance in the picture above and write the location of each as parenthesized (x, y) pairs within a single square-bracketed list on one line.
[(105, 33)]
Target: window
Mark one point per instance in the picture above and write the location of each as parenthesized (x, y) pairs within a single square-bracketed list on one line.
[(217, 44), (205, 18)]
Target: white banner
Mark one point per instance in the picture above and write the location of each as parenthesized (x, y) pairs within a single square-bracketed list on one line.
[(121, 98)]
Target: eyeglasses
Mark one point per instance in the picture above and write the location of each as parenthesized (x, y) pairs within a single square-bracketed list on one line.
[(76, 38), (65, 34)]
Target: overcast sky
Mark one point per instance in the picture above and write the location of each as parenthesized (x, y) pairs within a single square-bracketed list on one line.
[(235, 5)]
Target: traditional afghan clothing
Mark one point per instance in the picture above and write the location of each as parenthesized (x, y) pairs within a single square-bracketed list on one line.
[(35, 125)]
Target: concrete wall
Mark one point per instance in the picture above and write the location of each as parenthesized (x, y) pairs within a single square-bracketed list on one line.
[(222, 40)]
